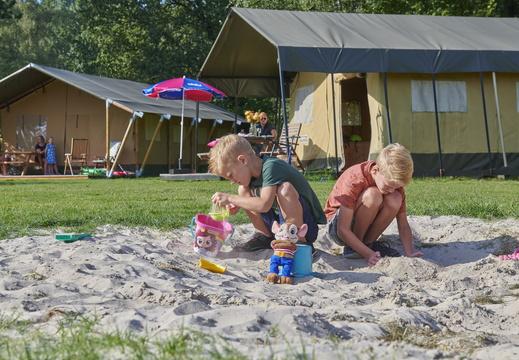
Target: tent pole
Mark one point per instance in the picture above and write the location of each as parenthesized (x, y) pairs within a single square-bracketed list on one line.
[(107, 132), (388, 118), (235, 115), (157, 128), (494, 80), (197, 115), (335, 129), (284, 106), (181, 133), (481, 81), (120, 150), (442, 172)]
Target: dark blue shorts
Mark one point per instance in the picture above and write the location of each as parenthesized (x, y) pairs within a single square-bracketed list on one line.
[(308, 218)]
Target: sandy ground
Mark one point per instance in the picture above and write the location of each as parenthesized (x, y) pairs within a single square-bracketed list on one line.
[(459, 300)]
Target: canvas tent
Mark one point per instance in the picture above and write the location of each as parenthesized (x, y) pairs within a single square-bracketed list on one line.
[(43, 100), (445, 87)]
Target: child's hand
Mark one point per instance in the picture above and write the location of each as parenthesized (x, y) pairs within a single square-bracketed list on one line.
[(233, 209), (414, 253), (220, 199), (374, 258)]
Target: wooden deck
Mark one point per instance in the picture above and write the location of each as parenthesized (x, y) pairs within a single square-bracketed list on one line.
[(44, 177)]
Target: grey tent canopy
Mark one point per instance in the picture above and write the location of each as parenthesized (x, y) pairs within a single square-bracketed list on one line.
[(244, 59), (126, 93)]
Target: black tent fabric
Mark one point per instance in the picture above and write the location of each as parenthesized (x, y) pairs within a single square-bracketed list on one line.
[(125, 92), (243, 60)]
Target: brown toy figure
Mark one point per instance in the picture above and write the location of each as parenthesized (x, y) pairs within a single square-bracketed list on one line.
[(284, 246)]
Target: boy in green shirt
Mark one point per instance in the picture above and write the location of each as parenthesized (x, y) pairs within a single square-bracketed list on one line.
[(268, 190)]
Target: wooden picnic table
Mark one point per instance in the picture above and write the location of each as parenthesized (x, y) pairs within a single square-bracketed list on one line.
[(19, 158), (265, 140), (264, 143)]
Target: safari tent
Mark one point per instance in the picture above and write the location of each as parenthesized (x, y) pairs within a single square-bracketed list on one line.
[(445, 87), (52, 102)]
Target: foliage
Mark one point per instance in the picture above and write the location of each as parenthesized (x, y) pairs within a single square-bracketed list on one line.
[(152, 40)]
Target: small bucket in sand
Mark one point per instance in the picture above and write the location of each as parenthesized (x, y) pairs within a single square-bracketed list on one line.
[(209, 234)]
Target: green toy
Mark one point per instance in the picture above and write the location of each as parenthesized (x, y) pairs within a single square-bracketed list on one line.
[(71, 237)]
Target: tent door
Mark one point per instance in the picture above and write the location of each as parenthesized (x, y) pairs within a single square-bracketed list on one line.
[(356, 125)]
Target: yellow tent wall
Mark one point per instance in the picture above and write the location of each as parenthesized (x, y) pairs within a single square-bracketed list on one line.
[(71, 112), (320, 151), (463, 137)]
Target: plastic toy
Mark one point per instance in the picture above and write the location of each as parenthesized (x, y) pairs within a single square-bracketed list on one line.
[(209, 234), (211, 266), (285, 248), (71, 237)]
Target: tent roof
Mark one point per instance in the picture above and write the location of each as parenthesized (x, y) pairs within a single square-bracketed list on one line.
[(243, 59), (124, 93)]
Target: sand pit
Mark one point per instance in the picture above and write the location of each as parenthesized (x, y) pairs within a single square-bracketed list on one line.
[(459, 300)]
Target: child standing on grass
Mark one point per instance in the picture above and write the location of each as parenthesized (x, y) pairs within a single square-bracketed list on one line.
[(365, 200), (268, 190), (51, 165)]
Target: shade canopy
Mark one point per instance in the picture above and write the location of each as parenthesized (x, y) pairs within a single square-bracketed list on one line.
[(124, 92), (244, 58)]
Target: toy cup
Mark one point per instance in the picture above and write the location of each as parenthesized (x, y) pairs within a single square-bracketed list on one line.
[(209, 234), (219, 213), (302, 261)]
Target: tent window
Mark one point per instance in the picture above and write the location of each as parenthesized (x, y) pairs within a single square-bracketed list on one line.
[(27, 128), (304, 102), (351, 113), (451, 95)]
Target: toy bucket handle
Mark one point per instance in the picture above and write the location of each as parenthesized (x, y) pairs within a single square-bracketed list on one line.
[(192, 226), (231, 234)]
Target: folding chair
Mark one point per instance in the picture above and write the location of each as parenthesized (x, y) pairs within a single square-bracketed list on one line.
[(77, 156), (280, 148)]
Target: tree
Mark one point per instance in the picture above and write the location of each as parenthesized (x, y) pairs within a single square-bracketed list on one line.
[(7, 9)]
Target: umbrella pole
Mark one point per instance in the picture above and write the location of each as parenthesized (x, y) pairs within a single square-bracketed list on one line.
[(181, 133)]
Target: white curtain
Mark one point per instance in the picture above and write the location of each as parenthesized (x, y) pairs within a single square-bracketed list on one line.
[(451, 96)]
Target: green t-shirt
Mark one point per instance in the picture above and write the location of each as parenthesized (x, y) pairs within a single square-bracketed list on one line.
[(275, 172)]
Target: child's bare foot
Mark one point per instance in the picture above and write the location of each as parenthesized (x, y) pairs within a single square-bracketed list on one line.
[(374, 258)]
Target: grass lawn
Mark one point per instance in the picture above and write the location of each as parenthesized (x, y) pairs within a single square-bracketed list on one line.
[(81, 205)]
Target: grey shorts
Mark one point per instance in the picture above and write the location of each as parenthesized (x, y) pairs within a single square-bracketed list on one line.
[(333, 234), (331, 229)]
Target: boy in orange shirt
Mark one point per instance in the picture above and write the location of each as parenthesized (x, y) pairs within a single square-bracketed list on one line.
[(365, 200)]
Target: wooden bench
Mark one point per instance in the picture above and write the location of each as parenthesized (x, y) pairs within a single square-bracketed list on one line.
[(17, 159)]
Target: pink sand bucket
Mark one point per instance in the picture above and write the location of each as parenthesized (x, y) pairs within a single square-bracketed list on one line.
[(209, 234)]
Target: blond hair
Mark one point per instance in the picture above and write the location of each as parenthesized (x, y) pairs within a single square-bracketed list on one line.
[(225, 152), (395, 163)]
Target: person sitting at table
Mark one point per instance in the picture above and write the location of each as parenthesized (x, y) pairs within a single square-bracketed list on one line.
[(39, 149), (264, 127), (51, 163)]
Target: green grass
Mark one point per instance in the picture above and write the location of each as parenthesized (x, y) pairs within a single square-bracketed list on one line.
[(82, 205), (80, 338)]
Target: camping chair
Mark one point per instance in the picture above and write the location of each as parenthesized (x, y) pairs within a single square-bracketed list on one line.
[(78, 154), (280, 147)]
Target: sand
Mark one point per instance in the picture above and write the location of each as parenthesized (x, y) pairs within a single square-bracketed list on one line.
[(458, 300)]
